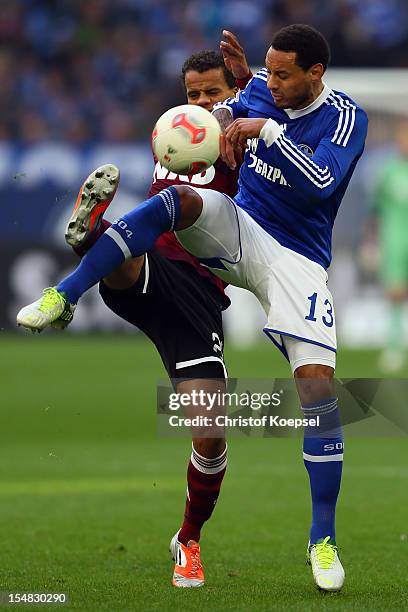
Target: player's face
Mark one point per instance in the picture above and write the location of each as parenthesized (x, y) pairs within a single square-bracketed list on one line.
[(207, 88), (289, 84)]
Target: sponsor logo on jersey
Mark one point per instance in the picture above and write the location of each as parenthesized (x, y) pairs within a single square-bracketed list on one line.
[(252, 144), (271, 173), (204, 178)]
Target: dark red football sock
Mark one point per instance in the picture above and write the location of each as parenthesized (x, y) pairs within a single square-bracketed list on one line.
[(204, 478), (100, 229)]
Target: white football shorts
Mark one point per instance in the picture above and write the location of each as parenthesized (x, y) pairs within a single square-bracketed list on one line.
[(291, 288)]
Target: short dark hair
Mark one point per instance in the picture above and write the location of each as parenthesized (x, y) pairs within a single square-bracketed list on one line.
[(309, 44), (207, 60)]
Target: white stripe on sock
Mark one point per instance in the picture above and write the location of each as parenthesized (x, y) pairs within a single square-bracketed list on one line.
[(322, 458), (216, 460), (116, 237)]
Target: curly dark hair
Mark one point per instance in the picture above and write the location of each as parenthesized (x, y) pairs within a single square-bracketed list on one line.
[(309, 44), (207, 60)]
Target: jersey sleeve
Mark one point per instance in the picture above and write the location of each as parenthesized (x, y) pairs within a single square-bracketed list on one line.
[(238, 105), (242, 83), (319, 176)]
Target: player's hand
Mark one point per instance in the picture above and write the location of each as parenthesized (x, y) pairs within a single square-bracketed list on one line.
[(227, 152), (235, 136), (234, 55)]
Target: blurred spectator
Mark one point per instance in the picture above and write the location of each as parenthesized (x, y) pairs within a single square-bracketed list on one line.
[(389, 226), (106, 69)]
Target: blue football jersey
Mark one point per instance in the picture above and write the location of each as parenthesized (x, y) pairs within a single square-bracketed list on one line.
[(293, 188)]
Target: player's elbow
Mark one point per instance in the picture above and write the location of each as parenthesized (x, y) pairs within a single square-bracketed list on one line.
[(322, 192), (319, 183)]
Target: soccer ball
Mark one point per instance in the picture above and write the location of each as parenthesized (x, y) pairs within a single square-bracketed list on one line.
[(186, 139)]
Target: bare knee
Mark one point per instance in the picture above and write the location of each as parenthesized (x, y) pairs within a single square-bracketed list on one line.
[(314, 383), (126, 275), (209, 447), (191, 206), (208, 439)]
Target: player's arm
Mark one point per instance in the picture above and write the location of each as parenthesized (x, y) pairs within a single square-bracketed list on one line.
[(319, 176), (226, 112), (227, 152), (235, 133)]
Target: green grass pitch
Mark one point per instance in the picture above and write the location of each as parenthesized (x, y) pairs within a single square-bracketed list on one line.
[(89, 496)]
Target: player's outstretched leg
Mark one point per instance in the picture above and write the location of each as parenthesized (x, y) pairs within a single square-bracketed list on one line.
[(93, 199), (130, 236), (323, 458)]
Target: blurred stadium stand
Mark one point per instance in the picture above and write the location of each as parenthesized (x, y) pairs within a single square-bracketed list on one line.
[(104, 70), (82, 83)]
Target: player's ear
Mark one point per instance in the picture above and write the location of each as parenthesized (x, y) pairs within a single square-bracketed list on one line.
[(316, 72)]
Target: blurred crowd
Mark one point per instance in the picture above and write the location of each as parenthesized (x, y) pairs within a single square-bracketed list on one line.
[(104, 70)]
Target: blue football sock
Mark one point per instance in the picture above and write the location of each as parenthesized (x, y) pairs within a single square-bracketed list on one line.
[(130, 236), (323, 457)]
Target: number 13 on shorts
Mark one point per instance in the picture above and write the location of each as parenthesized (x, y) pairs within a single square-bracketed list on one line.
[(327, 314)]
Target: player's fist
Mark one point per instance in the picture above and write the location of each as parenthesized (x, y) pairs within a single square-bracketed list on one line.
[(235, 136), (241, 129)]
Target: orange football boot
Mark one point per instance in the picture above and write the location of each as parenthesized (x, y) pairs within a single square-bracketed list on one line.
[(188, 571), (93, 199)]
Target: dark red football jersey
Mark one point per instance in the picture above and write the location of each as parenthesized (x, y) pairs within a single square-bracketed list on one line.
[(219, 177)]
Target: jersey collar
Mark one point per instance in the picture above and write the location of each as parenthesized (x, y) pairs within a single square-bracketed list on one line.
[(294, 114)]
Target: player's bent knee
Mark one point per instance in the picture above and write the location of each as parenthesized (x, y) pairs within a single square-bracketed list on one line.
[(313, 368), (191, 206), (315, 371), (314, 383), (209, 447)]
